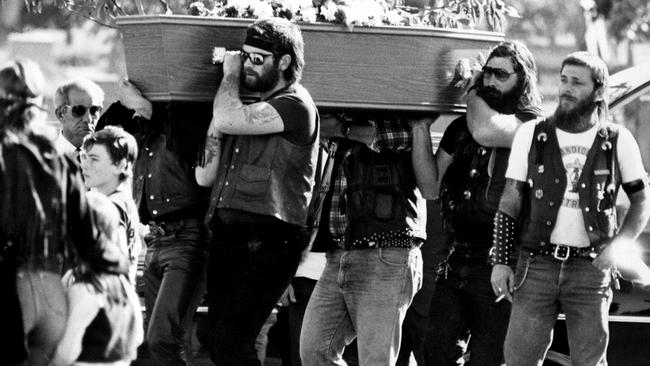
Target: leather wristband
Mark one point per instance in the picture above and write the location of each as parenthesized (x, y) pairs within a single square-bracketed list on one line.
[(505, 228)]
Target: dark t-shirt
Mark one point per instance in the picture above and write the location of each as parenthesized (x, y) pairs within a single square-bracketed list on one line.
[(299, 115), (484, 187)]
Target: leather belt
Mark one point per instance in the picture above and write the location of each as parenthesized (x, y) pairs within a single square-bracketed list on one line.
[(162, 228), (564, 252)]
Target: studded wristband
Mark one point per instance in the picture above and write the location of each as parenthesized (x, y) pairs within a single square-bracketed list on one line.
[(504, 239)]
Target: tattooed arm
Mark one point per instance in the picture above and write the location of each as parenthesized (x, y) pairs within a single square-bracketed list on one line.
[(206, 173), (231, 116)]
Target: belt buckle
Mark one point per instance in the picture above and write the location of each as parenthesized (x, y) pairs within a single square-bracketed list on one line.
[(557, 256)]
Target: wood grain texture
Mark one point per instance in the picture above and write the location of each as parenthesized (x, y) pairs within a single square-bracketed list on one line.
[(387, 68)]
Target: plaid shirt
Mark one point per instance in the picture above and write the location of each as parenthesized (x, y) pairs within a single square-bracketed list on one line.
[(390, 135)]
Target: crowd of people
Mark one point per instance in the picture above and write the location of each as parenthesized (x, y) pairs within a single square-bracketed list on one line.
[(325, 213)]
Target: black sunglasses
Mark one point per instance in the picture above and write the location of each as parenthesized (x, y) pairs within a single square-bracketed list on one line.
[(254, 57), (499, 74), (80, 110)]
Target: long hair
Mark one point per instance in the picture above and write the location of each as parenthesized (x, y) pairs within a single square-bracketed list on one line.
[(599, 75), (21, 89), (526, 69)]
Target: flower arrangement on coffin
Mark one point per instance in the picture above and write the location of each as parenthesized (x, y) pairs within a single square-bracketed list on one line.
[(467, 14), (445, 14)]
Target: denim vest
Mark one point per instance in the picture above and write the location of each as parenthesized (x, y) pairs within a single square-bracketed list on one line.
[(382, 194), (471, 189), (265, 175), (546, 183)]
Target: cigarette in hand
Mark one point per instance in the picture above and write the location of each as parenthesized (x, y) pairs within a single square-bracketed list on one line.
[(501, 297)]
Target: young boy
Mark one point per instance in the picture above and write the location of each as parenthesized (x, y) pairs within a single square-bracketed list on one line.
[(107, 162)]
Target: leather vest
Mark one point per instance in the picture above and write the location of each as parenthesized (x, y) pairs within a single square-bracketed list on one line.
[(382, 195), (266, 175), (598, 186), (471, 189)]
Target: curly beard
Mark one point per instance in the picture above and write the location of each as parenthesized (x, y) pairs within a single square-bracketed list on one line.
[(261, 82), (501, 102)]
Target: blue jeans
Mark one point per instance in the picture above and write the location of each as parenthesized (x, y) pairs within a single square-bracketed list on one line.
[(362, 293), (249, 268), (44, 310), (463, 300), (174, 278), (543, 287)]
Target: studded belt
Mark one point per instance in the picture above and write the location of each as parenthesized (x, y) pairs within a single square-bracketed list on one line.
[(564, 252)]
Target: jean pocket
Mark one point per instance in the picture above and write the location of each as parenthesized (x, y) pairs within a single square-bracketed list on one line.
[(394, 256), (523, 265)]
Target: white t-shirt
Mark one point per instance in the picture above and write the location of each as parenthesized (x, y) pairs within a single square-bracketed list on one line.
[(312, 266), (569, 226)]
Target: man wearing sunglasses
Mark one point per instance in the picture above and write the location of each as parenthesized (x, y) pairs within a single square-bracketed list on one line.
[(467, 176), (266, 156), (78, 106)]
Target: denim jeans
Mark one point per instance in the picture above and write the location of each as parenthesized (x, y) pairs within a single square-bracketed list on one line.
[(362, 293), (543, 287), (174, 278), (44, 309), (302, 289), (464, 301), (249, 268)]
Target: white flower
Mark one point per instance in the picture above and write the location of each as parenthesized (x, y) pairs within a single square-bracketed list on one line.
[(328, 11), (308, 15)]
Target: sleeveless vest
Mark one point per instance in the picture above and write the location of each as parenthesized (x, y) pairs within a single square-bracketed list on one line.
[(598, 186), (471, 189), (382, 194)]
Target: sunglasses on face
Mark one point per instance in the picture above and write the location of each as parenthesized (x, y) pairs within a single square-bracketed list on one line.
[(499, 74), (254, 57), (80, 110)]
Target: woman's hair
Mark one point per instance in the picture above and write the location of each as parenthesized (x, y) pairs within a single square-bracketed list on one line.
[(21, 94), (102, 264)]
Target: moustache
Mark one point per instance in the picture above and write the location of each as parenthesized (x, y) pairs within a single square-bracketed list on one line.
[(568, 97), (249, 72)]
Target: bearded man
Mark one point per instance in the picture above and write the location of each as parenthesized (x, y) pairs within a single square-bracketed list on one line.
[(567, 236), (467, 174), (260, 160)]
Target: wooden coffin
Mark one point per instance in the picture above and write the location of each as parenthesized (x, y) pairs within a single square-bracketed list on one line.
[(381, 68)]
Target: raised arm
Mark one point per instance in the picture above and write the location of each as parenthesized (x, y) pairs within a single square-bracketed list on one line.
[(429, 168), (487, 126), (231, 116)]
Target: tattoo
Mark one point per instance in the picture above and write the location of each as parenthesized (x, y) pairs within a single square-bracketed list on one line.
[(260, 115), (230, 86), (212, 148)]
